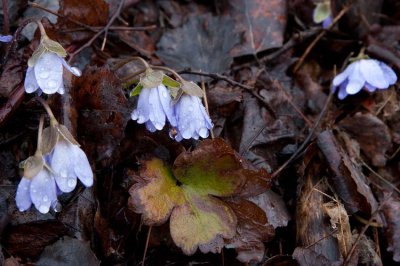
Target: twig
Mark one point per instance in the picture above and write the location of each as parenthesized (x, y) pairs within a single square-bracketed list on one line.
[(203, 87), (36, 5), (6, 18), (114, 28), (319, 36), (380, 177), (12, 104), (116, 14), (147, 245), (308, 138)]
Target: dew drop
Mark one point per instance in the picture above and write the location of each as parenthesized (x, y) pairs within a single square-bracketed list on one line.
[(44, 73), (45, 198), (63, 173), (43, 209), (164, 94), (52, 84), (190, 108), (21, 209), (140, 119), (71, 182), (34, 190), (56, 205)]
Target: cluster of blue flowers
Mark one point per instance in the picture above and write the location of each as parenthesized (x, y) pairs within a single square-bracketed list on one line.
[(186, 114)]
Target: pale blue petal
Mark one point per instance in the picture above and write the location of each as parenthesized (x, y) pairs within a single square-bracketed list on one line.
[(327, 22), (150, 127), (344, 75), (156, 112), (342, 90), (30, 83), (81, 166), (49, 72), (23, 196), (389, 74), (356, 80), (373, 74), (73, 70), (6, 38), (141, 113), (165, 99), (63, 167), (43, 191), (369, 87)]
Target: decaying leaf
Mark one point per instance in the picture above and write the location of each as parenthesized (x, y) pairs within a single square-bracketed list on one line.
[(263, 23), (186, 195), (199, 45), (253, 229), (372, 134), (391, 210), (347, 178)]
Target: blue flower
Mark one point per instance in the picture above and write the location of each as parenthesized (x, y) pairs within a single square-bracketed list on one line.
[(47, 74), (154, 107), (68, 163), (327, 22), (192, 118), (6, 38), (368, 74), (41, 190)]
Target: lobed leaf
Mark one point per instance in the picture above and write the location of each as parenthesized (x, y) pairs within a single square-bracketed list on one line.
[(157, 194), (201, 222)]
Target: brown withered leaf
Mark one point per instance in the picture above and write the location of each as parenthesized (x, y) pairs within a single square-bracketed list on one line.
[(104, 110), (311, 222), (198, 45), (92, 13), (23, 241), (391, 210), (262, 22), (274, 207), (308, 257), (347, 178), (11, 76), (222, 94), (252, 230), (372, 134), (68, 251)]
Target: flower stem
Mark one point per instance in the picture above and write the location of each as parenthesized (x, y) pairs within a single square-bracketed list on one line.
[(128, 60), (203, 87), (168, 70), (53, 120), (41, 28), (39, 138)]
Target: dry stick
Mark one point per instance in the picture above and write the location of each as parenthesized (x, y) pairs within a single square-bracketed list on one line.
[(308, 138), (147, 245), (314, 42), (116, 14), (230, 81), (6, 17), (348, 257), (115, 28), (35, 5), (203, 87), (380, 177)]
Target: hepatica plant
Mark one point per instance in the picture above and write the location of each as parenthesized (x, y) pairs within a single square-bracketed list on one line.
[(364, 74), (191, 194), (45, 67), (163, 99), (322, 13)]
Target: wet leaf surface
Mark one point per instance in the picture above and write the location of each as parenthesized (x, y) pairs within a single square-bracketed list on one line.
[(210, 52)]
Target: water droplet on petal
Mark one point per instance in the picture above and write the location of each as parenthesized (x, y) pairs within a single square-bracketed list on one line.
[(43, 209), (34, 190), (21, 209), (71, 182), (45, 198), (63, 173), (52, 84), (44, 74), (164, 94), (56, 205)]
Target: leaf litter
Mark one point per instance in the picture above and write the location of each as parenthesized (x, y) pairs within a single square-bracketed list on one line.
[(330, 204)]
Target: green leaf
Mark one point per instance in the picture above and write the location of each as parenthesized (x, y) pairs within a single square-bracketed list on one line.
[(186, 194), (170, 82), (191, 88), (136, 90), (322, 11)]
